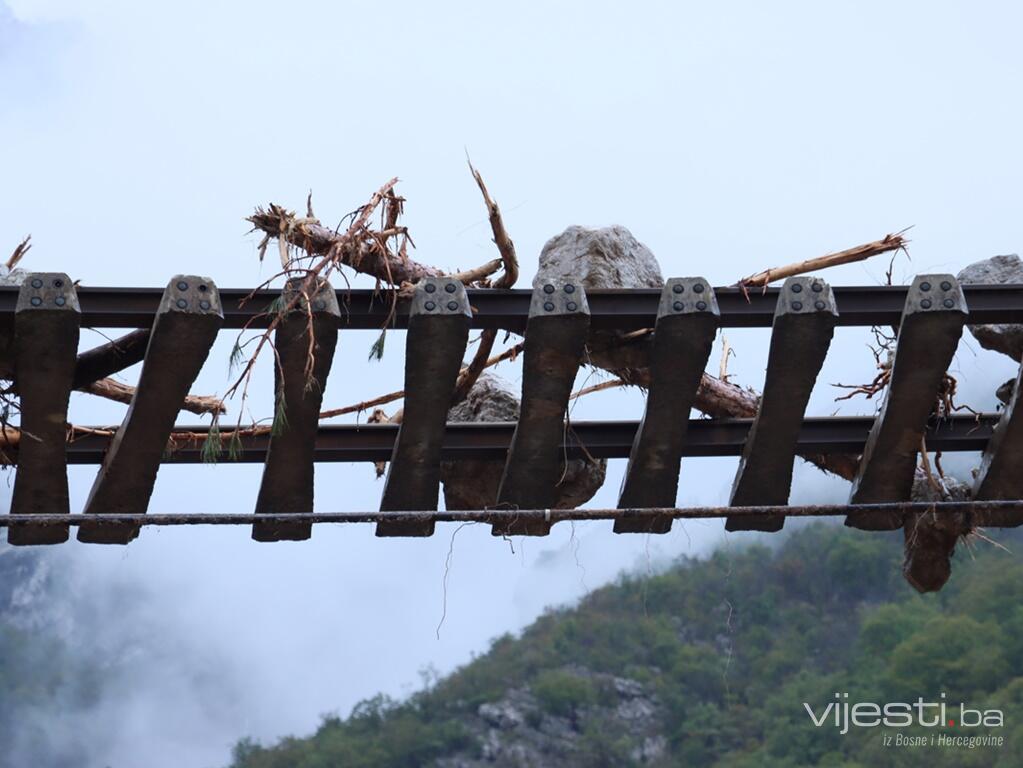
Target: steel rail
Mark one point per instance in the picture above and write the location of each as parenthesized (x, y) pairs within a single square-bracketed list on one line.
[(508, 309), (600, 439)]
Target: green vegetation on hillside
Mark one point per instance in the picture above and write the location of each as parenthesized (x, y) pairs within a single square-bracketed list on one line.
[(728, 648)]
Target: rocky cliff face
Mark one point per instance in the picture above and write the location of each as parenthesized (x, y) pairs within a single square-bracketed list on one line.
[(570, 717)]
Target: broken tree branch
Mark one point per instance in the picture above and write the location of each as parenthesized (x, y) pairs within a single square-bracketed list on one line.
[(110, 358), (469, 376), (123, 393), (19, 252), (609, 384), (892, 242), (353, 251)]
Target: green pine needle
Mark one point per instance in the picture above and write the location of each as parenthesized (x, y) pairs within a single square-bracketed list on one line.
[(211, 448), (236, 357), (277, 305), (280, 422), (234, 446), (376, 352)]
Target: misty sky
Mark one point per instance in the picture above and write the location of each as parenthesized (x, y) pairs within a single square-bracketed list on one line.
[(727, 136)]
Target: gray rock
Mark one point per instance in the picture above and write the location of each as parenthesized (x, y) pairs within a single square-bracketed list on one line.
[(501, 714), (627, 688), (924, 489), (473, 484), (604, 258), (12, 276), (651, 750), (635, 709), (1004, 338)]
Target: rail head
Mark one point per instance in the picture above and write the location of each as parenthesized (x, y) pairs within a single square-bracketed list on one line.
[(625, 309)]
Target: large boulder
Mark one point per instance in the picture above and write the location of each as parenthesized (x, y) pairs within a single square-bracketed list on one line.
[(473, 483), (1006, 338), (609, 257)]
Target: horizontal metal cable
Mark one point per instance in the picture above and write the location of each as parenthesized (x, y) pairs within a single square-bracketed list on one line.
[(496, 515)]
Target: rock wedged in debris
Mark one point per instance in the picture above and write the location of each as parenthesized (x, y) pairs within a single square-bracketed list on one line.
[(609, 257), (1006, 338), (931, 539), (473, 484)]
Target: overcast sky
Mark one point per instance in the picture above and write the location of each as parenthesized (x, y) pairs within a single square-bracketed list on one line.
[(727, 136)]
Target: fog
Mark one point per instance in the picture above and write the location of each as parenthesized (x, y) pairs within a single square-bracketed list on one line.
[(728, 137)]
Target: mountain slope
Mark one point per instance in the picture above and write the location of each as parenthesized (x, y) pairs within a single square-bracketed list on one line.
[(709, 664)]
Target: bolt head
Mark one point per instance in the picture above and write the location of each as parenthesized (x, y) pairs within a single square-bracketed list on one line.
[(450, 288), (204, 305), (678, 288), (678, 306), (182, 285), (701, 305), (797, 287), (925, 286), (946, 285), (549, 306), (698, 288), (548, 288), (569, 288), (816, 287), (571, 306), (819, 305), (452, 305), (60, 301), (182, 303), (318, 304), (430, 288), (35, 301), (37, 283), (797, 305), (430, 306), (926, 303), (949, 303)]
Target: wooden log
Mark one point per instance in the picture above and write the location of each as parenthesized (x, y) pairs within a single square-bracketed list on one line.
[(804, 323), (556, 333), (435, 345), (107, 359), (687, 321), (46, 328), (1000, 476), (287, 484), (184, 329), (929, 332)]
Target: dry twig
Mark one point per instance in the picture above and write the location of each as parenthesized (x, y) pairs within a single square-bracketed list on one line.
[(506, 248), (19, 252), (893, 242)]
